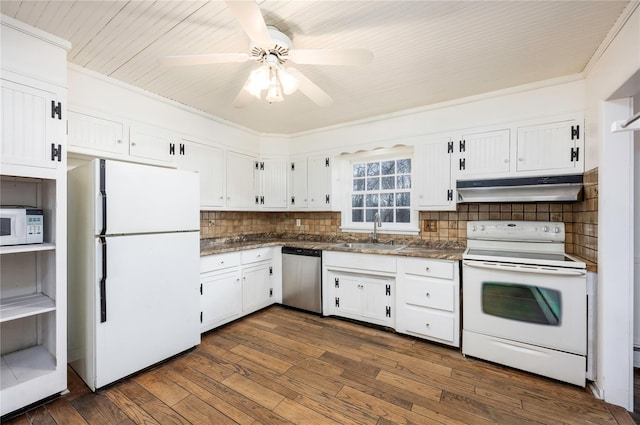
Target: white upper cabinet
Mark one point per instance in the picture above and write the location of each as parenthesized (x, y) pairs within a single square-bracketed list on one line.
[(87, 133), (298, 186), (208, 161), (32, 126), (483, 153), (433, 182), (554, 147), (271, 181), (154, 143), (240, 190), (319, 183)]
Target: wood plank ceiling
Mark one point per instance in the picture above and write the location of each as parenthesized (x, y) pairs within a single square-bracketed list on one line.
[(425, 52)]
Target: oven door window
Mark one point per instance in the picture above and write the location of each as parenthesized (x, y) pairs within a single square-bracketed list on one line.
[(525, 303)]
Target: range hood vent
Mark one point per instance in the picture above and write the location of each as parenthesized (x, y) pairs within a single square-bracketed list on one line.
[(522, 189)]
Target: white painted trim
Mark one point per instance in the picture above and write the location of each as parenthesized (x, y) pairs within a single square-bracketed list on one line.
[(34, 32)]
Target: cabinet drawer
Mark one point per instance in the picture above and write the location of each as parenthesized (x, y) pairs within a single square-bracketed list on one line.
[(255, 255), (429, 293), (431, 324), (220, 261), (430, 268), (356, 261)]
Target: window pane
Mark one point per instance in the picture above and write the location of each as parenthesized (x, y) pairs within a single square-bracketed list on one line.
[(386, 200), (371, 214), (357, 201), (373, 183), (388, 183), (373, 169), (403, 215), (358, 184), (388, 167), (372, 200), (357, 216), (386, 215), (358, 170), (403, 199), (404, 182), (404, 166)]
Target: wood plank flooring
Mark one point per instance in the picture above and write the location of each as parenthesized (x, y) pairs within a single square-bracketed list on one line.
[(280, 366)]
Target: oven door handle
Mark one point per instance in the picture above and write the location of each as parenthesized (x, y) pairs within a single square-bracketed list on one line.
[(524, 268)]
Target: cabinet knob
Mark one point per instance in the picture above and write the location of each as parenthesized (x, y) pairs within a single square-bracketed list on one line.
[(427, 269), (521, 159), (238, 280), (221, 262), (506, 160), (133, 143), (428, 294), (118, 141), (428, 325)]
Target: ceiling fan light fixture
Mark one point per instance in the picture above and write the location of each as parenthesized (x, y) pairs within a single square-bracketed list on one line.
[(289, 82), (258, 81), (274, 92)]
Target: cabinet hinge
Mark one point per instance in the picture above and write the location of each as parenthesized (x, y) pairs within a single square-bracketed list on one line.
[(387, 290), (337, 302), (388, 312), (56, 109), (56, 152), (462, 163), (270, 271), (327, 199), (256, 165), (172, 148), (575, 154), (257, 200), (463, 146), (262, 166), (327, 163), (201, 289), (336, 282), (450, 195), (293, 200), (293, 166), (450, 147), (200, 317), (262, 200), (270, 292), (181, 148), (575, 132)]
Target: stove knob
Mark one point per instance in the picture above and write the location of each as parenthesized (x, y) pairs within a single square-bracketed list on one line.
[(556, 230), (545, 229), (481, 228), (473, 228)]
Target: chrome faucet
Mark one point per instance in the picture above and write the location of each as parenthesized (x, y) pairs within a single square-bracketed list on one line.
[(376, 223)]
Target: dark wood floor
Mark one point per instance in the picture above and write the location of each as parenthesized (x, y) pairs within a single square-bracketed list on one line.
[(280, 366)]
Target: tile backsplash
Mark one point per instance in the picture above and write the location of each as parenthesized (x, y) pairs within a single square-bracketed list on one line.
[(580, 218)]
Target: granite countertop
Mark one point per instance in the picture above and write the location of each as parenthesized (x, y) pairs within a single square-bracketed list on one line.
[(421, 249)]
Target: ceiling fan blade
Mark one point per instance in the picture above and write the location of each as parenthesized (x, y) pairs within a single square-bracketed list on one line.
[(331, 56), (188, 60), (310, 89), (250, 18)]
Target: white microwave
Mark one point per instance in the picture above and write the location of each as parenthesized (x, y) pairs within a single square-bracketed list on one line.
[(21, 225)]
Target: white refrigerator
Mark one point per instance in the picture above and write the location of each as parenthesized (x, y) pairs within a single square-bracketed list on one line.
[(133, 267)]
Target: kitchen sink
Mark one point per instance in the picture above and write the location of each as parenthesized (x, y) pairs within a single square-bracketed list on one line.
[(373, 246)]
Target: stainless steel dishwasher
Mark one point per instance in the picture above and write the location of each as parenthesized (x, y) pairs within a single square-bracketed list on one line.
[(302, 278)]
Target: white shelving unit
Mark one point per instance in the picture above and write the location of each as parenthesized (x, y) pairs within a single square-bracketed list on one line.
[(33, 294)]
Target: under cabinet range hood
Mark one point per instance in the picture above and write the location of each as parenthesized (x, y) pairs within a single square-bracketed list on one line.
[(522, 189)]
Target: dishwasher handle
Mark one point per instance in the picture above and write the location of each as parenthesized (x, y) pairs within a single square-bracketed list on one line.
[(289, 250)]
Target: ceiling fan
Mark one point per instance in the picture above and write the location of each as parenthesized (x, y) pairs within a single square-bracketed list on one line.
[(272, 49)]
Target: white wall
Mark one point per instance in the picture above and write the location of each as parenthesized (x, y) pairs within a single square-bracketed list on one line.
[(613, 154), (89, 91)]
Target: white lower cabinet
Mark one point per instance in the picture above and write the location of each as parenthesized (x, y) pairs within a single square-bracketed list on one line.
[(428, 299), (235, 284), (359, 286)]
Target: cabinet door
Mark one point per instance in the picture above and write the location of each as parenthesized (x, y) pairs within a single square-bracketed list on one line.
[(154, 143), (273, 183), (433, 181), (483, 153), (32, 127), (209, 163), (256, 287), (96, 134), (298, 183), (348, 295), (319, 183), (376, 298), (240, 180), (550, 147), (221, 299)]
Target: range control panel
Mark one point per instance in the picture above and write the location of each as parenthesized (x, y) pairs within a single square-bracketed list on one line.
[(521, 231)]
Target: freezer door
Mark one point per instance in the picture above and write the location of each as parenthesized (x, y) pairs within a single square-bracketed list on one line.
[(144, 199), (148, 308)]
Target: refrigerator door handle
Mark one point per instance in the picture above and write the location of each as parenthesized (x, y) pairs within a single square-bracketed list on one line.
[(103, 282), (103, 195)]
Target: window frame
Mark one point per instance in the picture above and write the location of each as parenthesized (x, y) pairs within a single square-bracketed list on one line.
[(381, 155)]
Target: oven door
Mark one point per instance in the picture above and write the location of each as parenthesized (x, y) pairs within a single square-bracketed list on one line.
[(538, 305)]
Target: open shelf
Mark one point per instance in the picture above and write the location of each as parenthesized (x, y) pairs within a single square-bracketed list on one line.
[(23, 365), (24, 306), (16, 249)]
